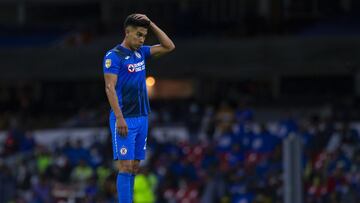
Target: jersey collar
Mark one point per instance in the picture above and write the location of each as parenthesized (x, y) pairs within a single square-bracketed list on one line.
[(124, 49)]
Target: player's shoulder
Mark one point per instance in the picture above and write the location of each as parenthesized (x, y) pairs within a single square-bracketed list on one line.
[(114, 55), (111, 59), (144, 47), (110, 54)]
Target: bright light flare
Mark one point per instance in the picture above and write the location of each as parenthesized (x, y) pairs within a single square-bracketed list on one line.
[(150, 81)]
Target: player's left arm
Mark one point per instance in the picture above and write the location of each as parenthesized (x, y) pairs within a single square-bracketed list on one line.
[(166, 44)]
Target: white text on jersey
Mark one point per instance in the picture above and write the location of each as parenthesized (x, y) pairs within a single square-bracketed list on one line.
[(136, 67)]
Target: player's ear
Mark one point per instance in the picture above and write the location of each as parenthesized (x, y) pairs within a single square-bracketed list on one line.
[(127, 31)]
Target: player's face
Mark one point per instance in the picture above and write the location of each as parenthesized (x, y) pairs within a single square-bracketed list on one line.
[(135, 36)]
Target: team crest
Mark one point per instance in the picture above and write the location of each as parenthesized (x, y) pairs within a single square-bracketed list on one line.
[(131, 68), (107, 63), (137, 54), (123, 151)]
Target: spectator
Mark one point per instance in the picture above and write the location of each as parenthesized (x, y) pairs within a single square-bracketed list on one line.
[(82, 172), (42, 191), (7, 183), (43, 159), (145, 187), (27, 143)]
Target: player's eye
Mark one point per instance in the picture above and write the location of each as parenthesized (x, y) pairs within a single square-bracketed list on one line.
[(139, 34)]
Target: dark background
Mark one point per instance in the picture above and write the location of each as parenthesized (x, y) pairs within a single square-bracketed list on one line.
[(244, 72)]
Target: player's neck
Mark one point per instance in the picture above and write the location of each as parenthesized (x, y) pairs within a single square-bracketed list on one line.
[(124, 44)]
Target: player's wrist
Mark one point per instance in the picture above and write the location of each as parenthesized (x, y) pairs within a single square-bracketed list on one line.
[(119, 116)]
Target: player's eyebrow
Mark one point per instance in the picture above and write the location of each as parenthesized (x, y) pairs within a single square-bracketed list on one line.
[(142, 34)]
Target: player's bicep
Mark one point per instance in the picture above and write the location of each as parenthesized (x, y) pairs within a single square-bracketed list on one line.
[(158, 50)]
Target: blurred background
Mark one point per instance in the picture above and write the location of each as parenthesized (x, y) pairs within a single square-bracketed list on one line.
[(259, 103)]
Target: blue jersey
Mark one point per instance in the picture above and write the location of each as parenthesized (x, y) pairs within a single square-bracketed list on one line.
[(130, 88)]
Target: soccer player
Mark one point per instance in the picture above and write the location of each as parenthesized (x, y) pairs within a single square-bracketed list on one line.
[(124, 73)]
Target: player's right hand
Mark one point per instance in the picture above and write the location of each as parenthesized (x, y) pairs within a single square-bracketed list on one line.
[(142, 17), (121, 127)]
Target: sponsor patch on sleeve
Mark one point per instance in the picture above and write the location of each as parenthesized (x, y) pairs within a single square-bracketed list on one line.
[(107, 63)]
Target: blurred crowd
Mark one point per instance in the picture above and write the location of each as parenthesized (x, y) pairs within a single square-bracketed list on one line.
[(230, 157)]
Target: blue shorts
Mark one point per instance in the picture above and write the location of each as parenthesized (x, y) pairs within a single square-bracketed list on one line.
[(132, 146)]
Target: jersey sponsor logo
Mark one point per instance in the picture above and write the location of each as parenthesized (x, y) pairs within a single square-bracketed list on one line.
[(136, 67), (123, 151), (107, 63), (137, 54)]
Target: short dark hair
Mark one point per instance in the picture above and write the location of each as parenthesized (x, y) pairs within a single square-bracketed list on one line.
[(132, 21)]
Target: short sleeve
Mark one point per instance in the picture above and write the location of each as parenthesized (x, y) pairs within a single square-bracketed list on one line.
[(146, 51), (111, 63)]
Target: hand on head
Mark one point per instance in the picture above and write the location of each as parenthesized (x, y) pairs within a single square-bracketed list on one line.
[(141, 17)]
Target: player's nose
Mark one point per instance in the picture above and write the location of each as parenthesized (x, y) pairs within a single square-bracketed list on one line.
[(142, 40)]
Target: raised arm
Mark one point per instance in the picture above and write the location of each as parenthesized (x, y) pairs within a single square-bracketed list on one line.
[(166, 44)]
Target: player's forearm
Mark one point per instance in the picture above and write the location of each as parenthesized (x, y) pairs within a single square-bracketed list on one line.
[(164, 40), (113, 101)]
